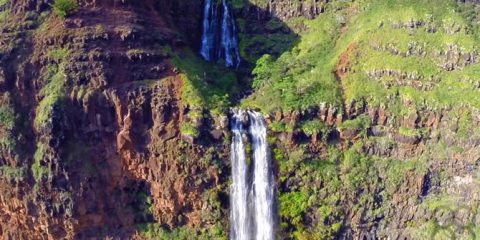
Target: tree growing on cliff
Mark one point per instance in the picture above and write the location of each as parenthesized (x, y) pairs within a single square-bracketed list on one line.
[(63, 8)]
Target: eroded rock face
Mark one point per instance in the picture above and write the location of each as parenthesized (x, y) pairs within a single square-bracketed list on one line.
[(285, 9), (109, 155)]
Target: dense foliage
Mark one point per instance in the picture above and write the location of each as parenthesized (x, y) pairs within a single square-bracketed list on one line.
[(393, 52), (63, 8)]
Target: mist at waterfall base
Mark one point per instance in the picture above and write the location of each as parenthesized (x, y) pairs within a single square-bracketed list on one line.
[(253, 191), (219, 38)]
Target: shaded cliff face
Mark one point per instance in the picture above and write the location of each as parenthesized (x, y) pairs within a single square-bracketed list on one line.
[(100, 136), (92, 110)]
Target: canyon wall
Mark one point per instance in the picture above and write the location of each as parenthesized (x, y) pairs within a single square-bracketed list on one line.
[(96, 137)]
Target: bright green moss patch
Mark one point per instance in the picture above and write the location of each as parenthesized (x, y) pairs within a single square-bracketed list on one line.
[(58, 54), (53, 95), (12, 173), (410, 132), (54, 91), (293, 205), (7, 117), (63, 8), (38, 170), (3, 14), (189, 130)]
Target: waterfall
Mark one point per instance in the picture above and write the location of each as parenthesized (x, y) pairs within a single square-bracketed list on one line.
[(229, 48), (210, 29), (252, 202), (219, 42), (263, 184), (240, 217)]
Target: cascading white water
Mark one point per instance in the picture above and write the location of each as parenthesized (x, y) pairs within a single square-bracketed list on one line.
[(263, 183), (229, 41), (240, 218), (219, 42), (210, 29), (252, 202)]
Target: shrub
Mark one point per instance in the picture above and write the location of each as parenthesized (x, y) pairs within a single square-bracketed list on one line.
[(53, 94), (262, 71), (293, 205), (410, 132), (12, 173), (7, 117), (63, 8), (361, 124), (38, 170), (189, 130), (314, 127)]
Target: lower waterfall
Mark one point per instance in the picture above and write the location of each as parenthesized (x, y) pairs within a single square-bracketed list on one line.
[(253, 188), (240, 216), (263, 184)]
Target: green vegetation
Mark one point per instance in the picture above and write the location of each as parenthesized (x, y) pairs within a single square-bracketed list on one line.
[(293, 205), (309, 197), (58, 54), (189, 130), (277, 126), (7, 117), (64, 8), (410, 132), (361, 124), (157, 232), (3, 14), (322, 186), (38, 169), (314, 127), (236, 4), (205, 85), (8, 120), (466, 126), (54, 94), (12, 173), (447, 227), (54, 91), (397, 170), (394, 51), (357, 170)]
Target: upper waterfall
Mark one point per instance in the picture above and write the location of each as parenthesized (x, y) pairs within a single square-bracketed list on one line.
[(210, 29), (219, 37)]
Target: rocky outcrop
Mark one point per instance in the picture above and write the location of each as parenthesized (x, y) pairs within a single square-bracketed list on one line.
[(286, 9)]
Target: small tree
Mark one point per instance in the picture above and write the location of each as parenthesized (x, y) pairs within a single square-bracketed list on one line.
[(63, 8)]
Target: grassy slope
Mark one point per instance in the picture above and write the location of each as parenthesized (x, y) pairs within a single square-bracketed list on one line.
[(304, 77)]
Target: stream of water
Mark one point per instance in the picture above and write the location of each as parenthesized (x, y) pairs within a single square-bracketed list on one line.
[(253, 187)]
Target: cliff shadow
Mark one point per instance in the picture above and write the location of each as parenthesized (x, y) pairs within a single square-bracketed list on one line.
[(259, 32)]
